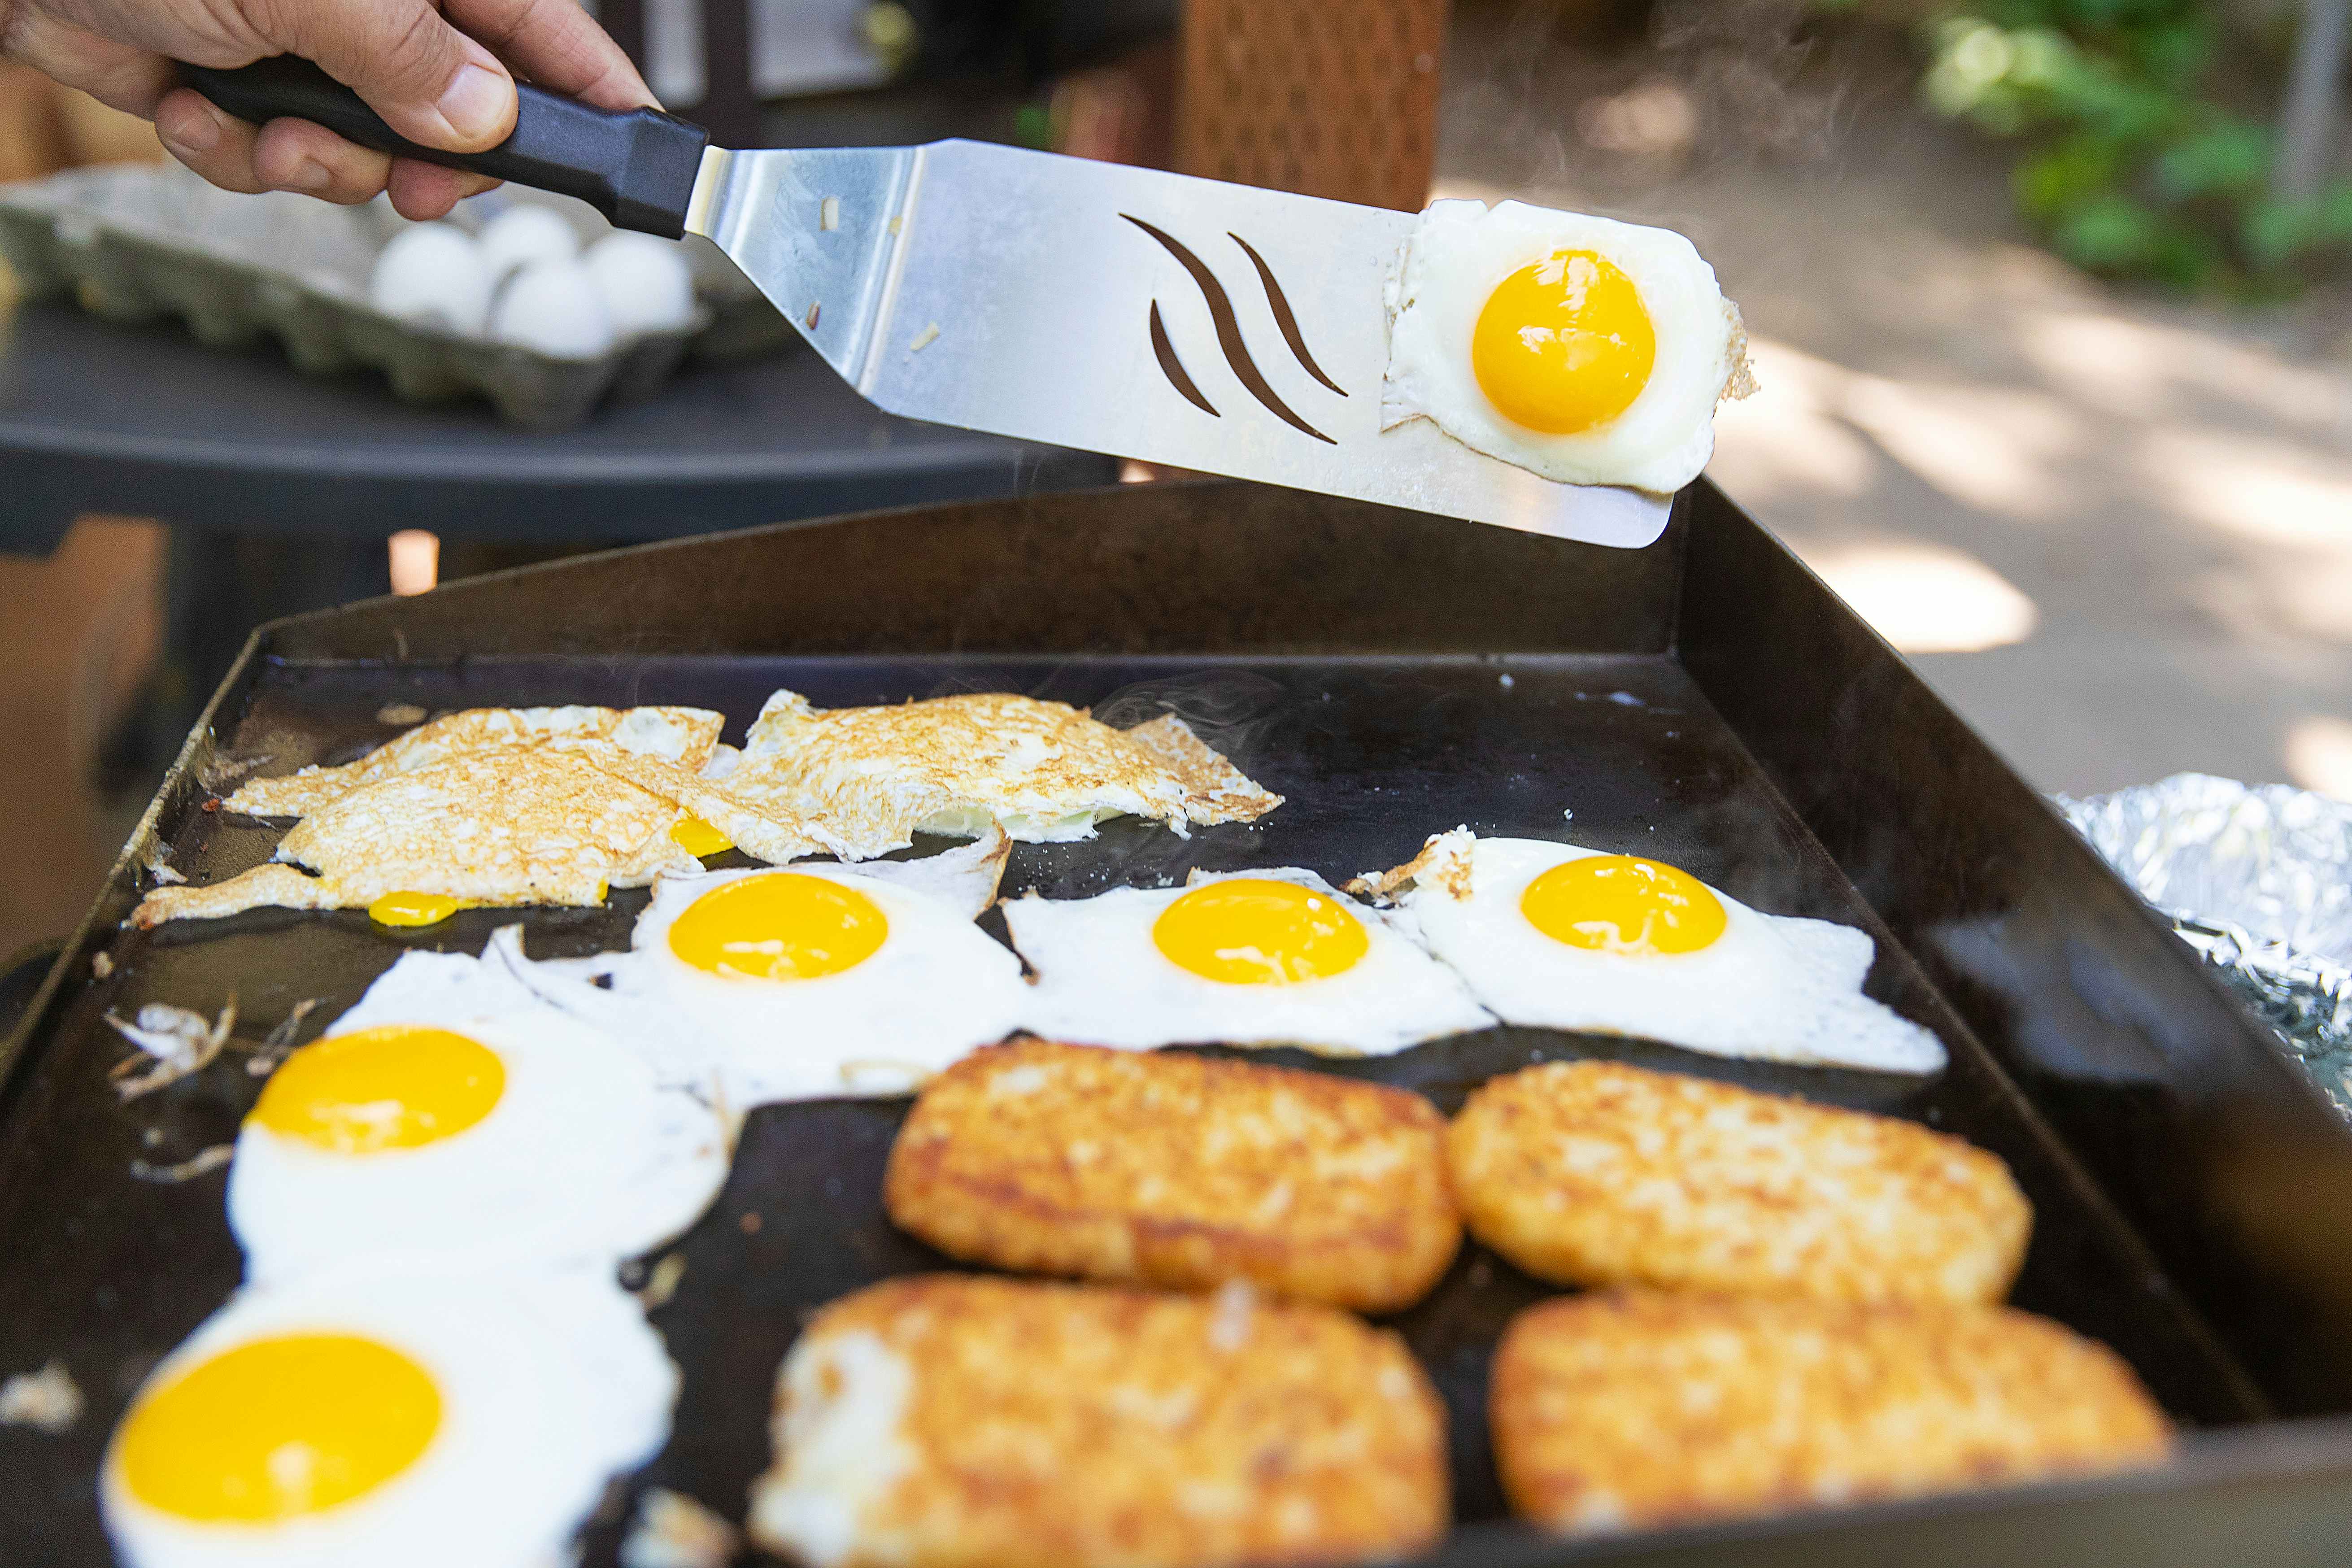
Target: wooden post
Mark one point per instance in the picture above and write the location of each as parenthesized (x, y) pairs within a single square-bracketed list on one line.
[(1326, 97)]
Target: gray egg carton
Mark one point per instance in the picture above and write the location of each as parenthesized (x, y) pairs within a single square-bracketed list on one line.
[(135, 242)]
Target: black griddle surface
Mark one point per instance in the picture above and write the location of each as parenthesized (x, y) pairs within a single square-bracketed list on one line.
[(1374, 753)]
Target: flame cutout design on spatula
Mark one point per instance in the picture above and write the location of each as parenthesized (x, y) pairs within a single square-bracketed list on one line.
[(1229, 330)]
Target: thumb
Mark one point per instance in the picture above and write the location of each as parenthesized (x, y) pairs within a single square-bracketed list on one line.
[(431, 82)]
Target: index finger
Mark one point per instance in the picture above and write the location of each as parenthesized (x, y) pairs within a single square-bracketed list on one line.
[(557, 46)]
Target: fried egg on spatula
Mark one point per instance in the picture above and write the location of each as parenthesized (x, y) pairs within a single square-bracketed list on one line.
[(1566, 938), (1584, 350)]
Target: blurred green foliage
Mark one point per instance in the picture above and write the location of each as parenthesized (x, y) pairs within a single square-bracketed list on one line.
[(2134, 169)]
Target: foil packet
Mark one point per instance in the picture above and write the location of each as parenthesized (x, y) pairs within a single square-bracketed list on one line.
[(2258, 880)]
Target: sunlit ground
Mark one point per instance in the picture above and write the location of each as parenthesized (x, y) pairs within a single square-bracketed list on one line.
[(2115, 531)]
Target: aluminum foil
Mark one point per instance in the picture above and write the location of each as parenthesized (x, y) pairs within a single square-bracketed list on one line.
[(2258, 880)]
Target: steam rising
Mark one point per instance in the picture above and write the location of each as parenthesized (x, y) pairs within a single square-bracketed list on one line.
[(1740, 59)]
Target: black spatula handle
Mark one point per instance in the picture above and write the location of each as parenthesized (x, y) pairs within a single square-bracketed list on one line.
[(636, 166)]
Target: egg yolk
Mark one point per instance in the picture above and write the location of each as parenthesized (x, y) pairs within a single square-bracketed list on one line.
[(699, 839), (1564, 343), (1623, 903), (1252, 930), (279, 1427), (416, 908), (779, 926), (397, 1086)]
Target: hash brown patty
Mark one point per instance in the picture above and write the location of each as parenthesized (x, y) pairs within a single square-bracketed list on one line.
[(955, 1421), (1593, 1173), (1178, 1170), (1642, 1408)]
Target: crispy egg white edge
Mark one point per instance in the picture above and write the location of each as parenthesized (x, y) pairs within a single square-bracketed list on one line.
[(1423, 1000), (627, 1163), (1817, 964), (552, 1381), (1453, 262)]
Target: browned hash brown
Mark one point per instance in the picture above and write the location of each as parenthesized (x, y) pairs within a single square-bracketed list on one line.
[(1642, 1408), (1598, 1174), (951, 1421), (1178, 1170)]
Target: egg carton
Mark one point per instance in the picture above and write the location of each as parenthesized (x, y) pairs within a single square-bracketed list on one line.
[(138, 242)]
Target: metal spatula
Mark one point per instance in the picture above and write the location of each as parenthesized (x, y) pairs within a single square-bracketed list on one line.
[(1148, 315)]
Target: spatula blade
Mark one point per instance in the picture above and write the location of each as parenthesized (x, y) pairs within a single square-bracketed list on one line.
[(1144, 314)]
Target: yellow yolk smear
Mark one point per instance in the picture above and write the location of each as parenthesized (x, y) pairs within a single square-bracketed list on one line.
[(779, 926), (279, 1427), (1623, 903), (1564, 343), (415, 909), (397, 1086), (1254, 930), (699, 839)]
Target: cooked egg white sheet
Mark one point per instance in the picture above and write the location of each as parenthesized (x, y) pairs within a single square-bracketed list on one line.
[(453, 1120), (1273, 957), (802, 982), (386, 1419), (1566, 938), (866, 780), (1585, 350)]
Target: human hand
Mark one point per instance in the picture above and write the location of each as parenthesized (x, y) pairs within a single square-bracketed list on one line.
[(431, 82)]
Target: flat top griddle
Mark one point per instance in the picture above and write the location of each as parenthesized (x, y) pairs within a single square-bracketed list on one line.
[(1374, 750)]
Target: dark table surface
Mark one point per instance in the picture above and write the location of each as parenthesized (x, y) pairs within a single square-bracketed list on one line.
[(97, 416)]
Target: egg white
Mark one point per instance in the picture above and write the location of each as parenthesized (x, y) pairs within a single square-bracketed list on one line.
[(1101, 979), (1459, 254), (551, 1381), (1772, 988), (585, 1157), (938, 988)]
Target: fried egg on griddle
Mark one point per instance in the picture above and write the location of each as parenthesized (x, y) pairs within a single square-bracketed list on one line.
[(684, 736), (871, 778), (496, 807), (529, 826)]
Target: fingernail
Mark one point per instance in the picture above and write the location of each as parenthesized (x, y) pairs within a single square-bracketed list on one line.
[(475, 102), (309, 174), (194, 130)]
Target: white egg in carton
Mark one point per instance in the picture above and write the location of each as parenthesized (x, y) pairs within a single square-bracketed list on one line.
[(533, 301)]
